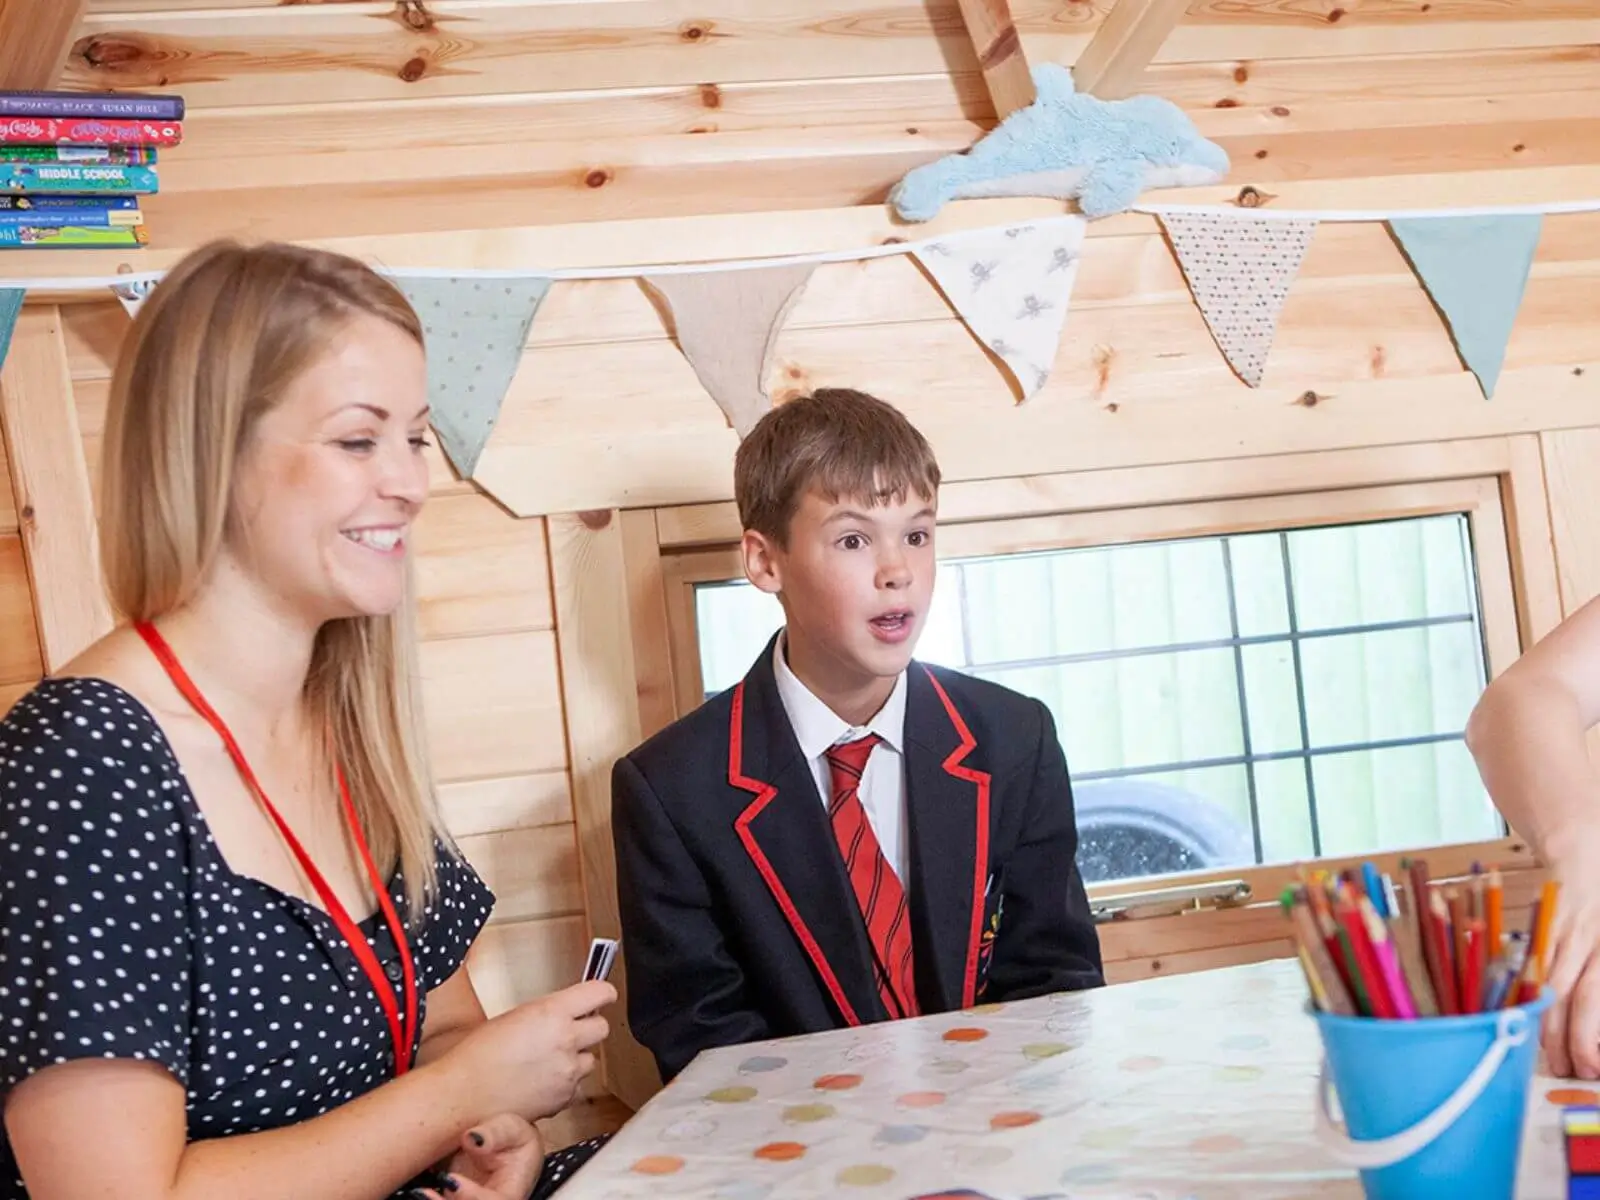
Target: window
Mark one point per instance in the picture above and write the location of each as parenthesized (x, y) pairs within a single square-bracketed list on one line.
[(1235, 683)]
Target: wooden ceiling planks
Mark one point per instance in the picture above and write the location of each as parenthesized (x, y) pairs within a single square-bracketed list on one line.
[(358, 117)]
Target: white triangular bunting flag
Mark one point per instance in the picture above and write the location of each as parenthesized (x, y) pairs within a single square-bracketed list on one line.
[(1240, 270), (1476, 269), (725, 323), (133, 295), (1011, 287), (474, 332)]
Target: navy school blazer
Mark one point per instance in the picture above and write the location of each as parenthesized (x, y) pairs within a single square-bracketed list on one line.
[(738, 920)]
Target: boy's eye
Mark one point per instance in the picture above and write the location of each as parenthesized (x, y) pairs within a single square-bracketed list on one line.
[(852, 541), (918, 537)]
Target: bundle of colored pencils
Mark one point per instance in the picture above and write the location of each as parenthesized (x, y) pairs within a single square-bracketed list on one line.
[(1421, 949)]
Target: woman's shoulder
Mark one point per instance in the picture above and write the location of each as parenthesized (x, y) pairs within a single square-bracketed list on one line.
[(83, 733), (75, 709)]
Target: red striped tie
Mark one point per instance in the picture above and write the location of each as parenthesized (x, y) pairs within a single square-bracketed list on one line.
[(877, 888)]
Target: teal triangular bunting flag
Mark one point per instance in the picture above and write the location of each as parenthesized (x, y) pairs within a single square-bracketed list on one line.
[(1475, 268), (10, 306), (474, 331)]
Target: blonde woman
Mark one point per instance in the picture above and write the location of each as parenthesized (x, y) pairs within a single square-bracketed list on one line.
[(231, 927)]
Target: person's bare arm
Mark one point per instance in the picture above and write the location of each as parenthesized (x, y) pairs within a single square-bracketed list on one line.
[(454, 1010), (1527, 735), (102, 1129)]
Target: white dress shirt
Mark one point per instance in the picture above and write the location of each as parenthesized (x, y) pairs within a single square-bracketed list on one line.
[(883, 784)]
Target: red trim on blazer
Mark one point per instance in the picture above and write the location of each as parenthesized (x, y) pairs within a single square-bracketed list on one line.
[(764, 793), (980, 857)]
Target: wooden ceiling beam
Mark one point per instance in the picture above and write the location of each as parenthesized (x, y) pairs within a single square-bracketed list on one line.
[(35, 38), (1000, 56), (1112, 63)]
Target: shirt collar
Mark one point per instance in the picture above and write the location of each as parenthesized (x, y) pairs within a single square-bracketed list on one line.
[(816, 726)]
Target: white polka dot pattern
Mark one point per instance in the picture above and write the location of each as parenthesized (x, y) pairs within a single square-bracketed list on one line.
[(124, 933)]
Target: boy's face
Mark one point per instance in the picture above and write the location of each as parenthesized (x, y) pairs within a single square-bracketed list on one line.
[(855, 579)]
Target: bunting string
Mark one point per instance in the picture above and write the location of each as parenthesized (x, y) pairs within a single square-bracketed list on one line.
[(59, 283), (1010, 284)]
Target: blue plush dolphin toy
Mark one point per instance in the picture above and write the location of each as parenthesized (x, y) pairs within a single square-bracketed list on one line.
[(1103, 152)]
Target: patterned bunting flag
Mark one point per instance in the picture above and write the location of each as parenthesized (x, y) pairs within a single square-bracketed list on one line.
[(1476, 269), (474, 332), (726, 323), (1011, 287), (133, 295), (10, 309), (1240, 269)]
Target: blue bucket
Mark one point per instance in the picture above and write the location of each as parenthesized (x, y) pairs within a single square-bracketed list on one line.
[(1433, 1107)]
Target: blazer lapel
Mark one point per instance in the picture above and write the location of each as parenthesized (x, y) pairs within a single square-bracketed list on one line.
[(785, 831), (947, 807)]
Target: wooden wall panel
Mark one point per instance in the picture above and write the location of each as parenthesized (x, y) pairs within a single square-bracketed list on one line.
[(334, 52), (20, 660), (1572, 473)]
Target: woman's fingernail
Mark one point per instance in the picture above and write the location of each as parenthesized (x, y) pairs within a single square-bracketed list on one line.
[(451, 1183), (477, 1138)]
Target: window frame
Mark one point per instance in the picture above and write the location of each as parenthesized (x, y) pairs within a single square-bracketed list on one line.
[(1493, 481)]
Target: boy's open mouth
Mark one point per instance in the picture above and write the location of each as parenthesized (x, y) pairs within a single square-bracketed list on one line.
[(892, 626)]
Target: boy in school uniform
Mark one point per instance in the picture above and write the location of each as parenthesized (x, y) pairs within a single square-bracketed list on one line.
[(847, 835)]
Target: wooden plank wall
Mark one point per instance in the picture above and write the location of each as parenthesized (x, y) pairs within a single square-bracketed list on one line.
[(398, 116)]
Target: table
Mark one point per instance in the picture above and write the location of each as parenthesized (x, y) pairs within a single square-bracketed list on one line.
[(1194, 1087)]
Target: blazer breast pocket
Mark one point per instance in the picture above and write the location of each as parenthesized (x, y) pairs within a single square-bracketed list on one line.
[(989, 931)]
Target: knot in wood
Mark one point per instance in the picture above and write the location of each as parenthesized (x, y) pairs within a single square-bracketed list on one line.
[(106, 53), (710, 95), (595, 518), (414, 15), (597, 178), (414, 69), (694, 31)]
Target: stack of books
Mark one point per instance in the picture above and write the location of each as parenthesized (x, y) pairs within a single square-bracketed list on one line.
[(73, 166)]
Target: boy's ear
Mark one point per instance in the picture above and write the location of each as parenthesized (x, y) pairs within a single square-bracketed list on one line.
[(761, 561)]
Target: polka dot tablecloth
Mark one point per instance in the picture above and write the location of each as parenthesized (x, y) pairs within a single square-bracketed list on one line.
[(1198, 1086)]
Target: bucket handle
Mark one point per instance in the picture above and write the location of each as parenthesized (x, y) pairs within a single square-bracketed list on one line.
[(1512, 1029)]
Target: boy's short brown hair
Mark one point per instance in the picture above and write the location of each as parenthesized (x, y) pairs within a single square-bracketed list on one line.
[(836, 441)]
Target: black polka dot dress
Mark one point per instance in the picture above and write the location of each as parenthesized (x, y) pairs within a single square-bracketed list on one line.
[(124, 934)]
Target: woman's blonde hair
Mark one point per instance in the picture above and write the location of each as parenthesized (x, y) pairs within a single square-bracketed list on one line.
[(216, 345)]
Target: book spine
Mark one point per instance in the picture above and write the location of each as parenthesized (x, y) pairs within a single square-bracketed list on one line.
[(36, 237), (30, 178), (122, 156), (46, 131), (26, 204), (97, 218), (127, 106)]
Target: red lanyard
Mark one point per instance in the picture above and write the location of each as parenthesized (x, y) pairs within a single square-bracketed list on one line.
[(402, 1030)]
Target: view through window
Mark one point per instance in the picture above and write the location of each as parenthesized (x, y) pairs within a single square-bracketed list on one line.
[(1222, 701)]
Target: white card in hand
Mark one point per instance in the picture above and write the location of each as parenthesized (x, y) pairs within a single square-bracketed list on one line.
[(602, 953)]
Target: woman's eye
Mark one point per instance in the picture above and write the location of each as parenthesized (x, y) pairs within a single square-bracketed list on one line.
[(420, 441), (357, 445)]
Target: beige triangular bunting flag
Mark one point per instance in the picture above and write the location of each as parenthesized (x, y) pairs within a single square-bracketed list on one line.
[(1240, 270), (1011, 287), (726, 323)]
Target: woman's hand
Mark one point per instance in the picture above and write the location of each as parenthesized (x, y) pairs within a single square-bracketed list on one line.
[(499, 1159), (530, 1059), (1572, 1023)]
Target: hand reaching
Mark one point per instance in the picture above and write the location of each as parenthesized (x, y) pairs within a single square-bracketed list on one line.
[(1572, 1024), (499, 1159)]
